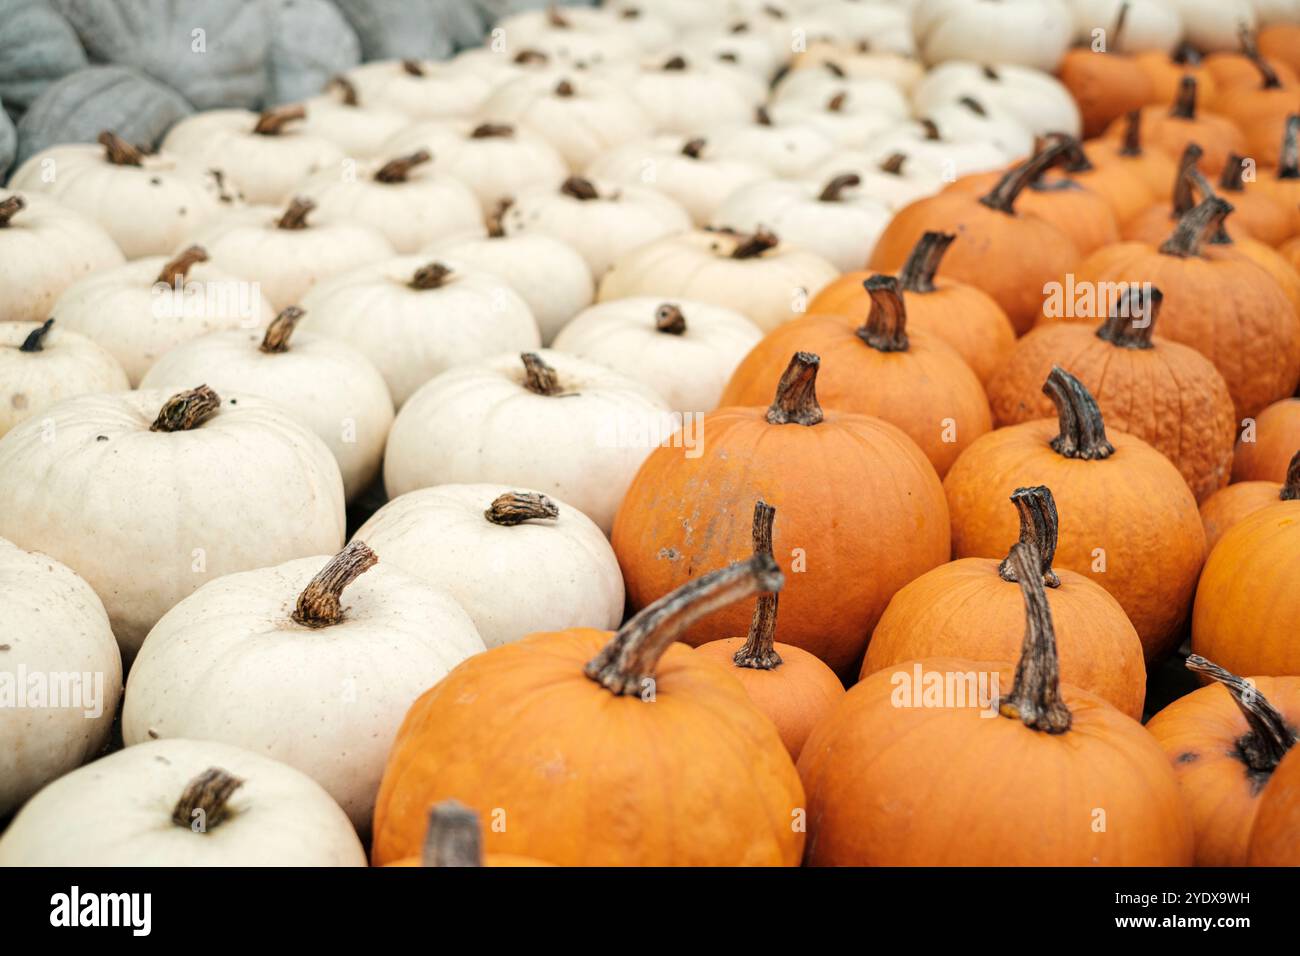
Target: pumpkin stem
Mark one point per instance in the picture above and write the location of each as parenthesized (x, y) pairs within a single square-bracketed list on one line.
[(531, 55), (179, 267), (1269, 737), (796, 393), (1083, 433), (1035, 698), (886, 327), (1185, 103), (1003, 196), (893, 164), (207, 794), (396, 170), (1186, 55), (1132, 145), (834, 190), (836, 103), (492, 131), (1121, 19), (9, 208), (36, 338), (1038, 525), (1232, 178), (118, 151), (186, 411), (1123, 328), (762, 117), (694, 148), (1195, 227), (675, 63), (556, 19), (758, 651), (917, 274), (1184, 195), (1291, 487), (669, 319), (346, 88), (320, 603), (295, 217), (1288, 163), (453, 837), (495, 221), (579, 188), (413, 67), (272, 122), (974, 105), (754, 246), (628, 661), (564, 89), (516, 507), (280, 331), (539, 378), (1250, 49), (432, 276), (834, 69)]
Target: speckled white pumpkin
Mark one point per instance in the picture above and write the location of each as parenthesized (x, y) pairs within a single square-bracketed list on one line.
[(41, 365)]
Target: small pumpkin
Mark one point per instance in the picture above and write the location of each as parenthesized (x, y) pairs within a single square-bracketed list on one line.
[(1283, 182), (1154, 223), (1261, 105), (454, 838), (360, 130), (1213, 25), (423, 89), (1254, 211), (1106, 82), (1168, 68), (1038, 101), (786, 150), (848, 117), (1032, 33), (1148, 24), (1227, 506), (894, 180), (683, 96), (40, 367), (1267, 444), (1171, 128), (1153, 166), (1276, 834)]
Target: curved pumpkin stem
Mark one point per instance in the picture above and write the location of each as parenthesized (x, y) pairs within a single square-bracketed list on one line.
[(118, 151), (185, 411), (347, 90), (1132, 143), (496, 219), (320, 603), (516, 507), (1083, 433), (1121, 327), (10, 206), (886, 327), (180, 266), (203, 803), (412, 67), (1038, 525), (669, 319), (539, 377), (1003, 196), (629, 659), (1184, 106), (1196, 227), (397, 170), (751, 247), (432, 276), (796, 393), (280, 331), (1035, 698), (453, 837), (579, 188), (35, 341), (1288, 162), (1270, 737), (492, 131), (834, 190), (917, 274), (295, 217), (694, 148), (759, 651), (1185, 180), (273, 121)]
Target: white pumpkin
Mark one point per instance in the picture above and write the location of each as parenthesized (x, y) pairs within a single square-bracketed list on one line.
[(864, 59), (264, 155), (969, 121), (684, 169), (1269, 12), (360, 129), (413, 317), (1148, 24), (742, 49), (893, 181), (835, 219), (60, 673), (404, 198), (602, 221), (922, 143), (683, 15), (140, 310), (788, 151), (1216, 25), (544, 420), (885, 27), (517, 561), (44, 248), (343, 646), (812, 89), (40, 365), (1040, 102), (1033, 33), (847, 119), (575, 36), (148, 495), (288, 251), (324, 383), (147, 203), (497, 161), (182, 803), (499, 68), (685, 351), (420, 89), (692, 98), (756, 275), (581, 116)]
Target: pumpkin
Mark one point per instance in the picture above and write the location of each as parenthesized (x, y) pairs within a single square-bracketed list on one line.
[(360, 130), (1146, 25), (882, 368), (922, 143), (1171, 128), (791, 686), (147, 203), (407, 202), (1102, 78), (1120, 184), (1283, 183), (288, 252), (894, 180), (1041, 103), (959, 314), (1168, 69), (310, 43), (812, 88), (1163, 392), (681, 96), (679, 515), (1267, 444), (208, 665), (1033, 33), (454, 838), (324, 383), (847, 117), (970, 608), (1254, 212), (1273, 839), (420, 88), (684, 351), (787, 151), (1215, 24), (71, 477), (1224, 741), (140, 310), (1245, 70), (601, 221), (60, 670), (866, 57), (38, 47), (414, 318), (182, 803), (1153, 224), (1156, 168), (39, 367), (497, 161), (1261, 108), (544, 420), (1229, 505), (516, 561), (993, 225), (583, 38), (1064, 758), (76, 108), (742, 49), (736, 799), (1107, 486), (1244, 618), (968, 120), (265, 155), (1281, 42)]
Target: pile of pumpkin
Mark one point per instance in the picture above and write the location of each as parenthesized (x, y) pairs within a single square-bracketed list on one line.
[(513, 459)]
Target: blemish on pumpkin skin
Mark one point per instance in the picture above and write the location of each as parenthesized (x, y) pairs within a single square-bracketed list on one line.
[(670, 554), (1189, 757), (18, 401)]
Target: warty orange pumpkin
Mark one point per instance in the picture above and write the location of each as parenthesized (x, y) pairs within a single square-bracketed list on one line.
[(1261, 107), (1105, 83), (1122, 184), (454, 838), (1172, 127), (1267, 444), (1229, 505), (1187, 186), (1275, 837)]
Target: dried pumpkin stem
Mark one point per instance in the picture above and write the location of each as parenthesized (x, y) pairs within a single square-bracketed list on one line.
[(396, 170), (10, 207), (1083, 433), (531, 55), (1121, 19), (796, 393), (885, 329), (557, 19), (412, 67), (834, 190), (295, 217), (272, 122), (1038, 525), (1185, 102), (1234, 172), (35, 341), (320, 603), (628, 661), (917, 274), (579, 188), (1132, 142), (694, 148), (675, 63), (1196, 226), (280, 331), (836, 103), (347, 88), (496, 219), (1122, 327), (759, 651), (492, 131), (1291, 486), (762, 117), (516, 507), (1268, 78), (432, 276), (1003, 195), (1185, 181), (453, 837), (565, 89), (179, 267), (186, 411), (118, 151), (1288, 162), (974, 105), (1035, 698), (205, 800), (669, 320), (751, 247), (1270, 737), (539, 378), (893, 164)]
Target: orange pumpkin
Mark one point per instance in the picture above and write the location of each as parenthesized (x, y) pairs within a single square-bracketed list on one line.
[(970, 608), (1275, 838), (1224, 742), (1171, 128), (882, 368), (1167, 72), (1121, 184), (1008, 252), (453, 838), (1243, 69), (1154, 223), (1267, 443), (959, 314), (1280, 42), (1283, 182), (1104, 83), (516, 728), (1290, 251), (1167, 394), (1261, 104), (1246, 615), (1153, 166), (1255, 212), (791, 686), (916, 767), (826, 472), (1107, 488), (1227, 506)]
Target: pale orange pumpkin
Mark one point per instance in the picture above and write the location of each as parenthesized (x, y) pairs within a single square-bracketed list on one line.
[(1106, 83), (1228, 506), (1275, 837), (1167, 72), (1282, 182), (1172, 127), (1153, 166), (1267, 444), (1254, 211)]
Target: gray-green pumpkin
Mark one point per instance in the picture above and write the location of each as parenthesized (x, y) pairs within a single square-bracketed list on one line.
[(310, 42), (37, 47), (413, 29)]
